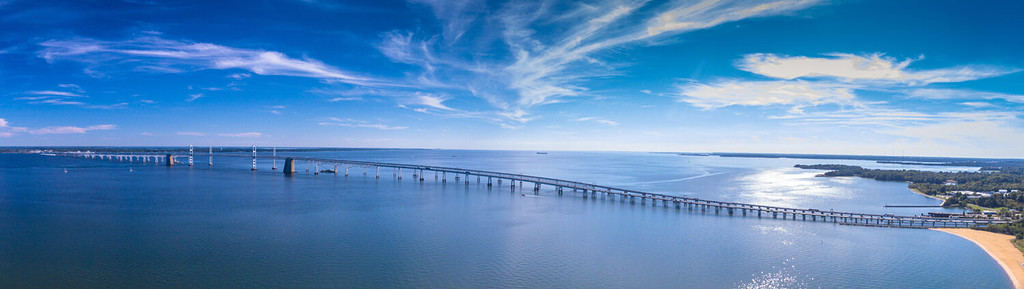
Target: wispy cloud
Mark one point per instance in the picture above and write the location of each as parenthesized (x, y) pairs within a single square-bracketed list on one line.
[(71, 86), (241, 134), (54, 93), (7, 131), (977, 104), (848, 67), (430, 100), (597, 120), (190, 133), (345, 98), (347, 122), (55, 97), (759, 93), (174, 56), (547, 69), (71, 129), (193, 97), (931, 93), (457, 15)]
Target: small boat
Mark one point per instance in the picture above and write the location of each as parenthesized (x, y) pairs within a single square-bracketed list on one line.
[(542, 153), (65, 170), (327, 171)]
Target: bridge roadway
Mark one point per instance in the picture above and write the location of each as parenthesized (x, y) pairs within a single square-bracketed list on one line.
[(593, 190)]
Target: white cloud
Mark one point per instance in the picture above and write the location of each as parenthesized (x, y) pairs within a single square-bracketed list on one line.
[(759, 93), (344, 98), (174, 56), (71, 129), (931, 93), (547, 69), (692, 15), (240, 75), (849, 67), (457, 15), (53, 93), (431, 100), (964, 131), (71, 86), (241, 134), (347, 122), (977, 104), (190, 133), (597, 120), (193, 97), (3, 123)]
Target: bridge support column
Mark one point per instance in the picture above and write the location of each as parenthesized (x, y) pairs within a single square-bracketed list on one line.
[(378, 172), (289, 166), (775, 215), (730, 211), (170, 160), (488, 182)]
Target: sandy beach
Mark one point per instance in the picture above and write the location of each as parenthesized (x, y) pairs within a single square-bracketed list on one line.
[(926, 195), (999, 247)]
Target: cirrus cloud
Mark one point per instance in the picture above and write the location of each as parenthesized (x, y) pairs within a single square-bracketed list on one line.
[(759, 93), (71, 129), (850, 67), (172, 56)]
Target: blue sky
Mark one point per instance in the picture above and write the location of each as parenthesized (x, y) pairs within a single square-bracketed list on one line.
[(851, 77)]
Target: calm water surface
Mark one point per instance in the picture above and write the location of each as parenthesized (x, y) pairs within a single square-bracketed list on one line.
[(101, 226)]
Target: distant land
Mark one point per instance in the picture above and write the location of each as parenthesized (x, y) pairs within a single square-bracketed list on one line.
[(984, 163)]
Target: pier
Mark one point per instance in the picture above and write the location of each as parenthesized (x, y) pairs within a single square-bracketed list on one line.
[(586, 190)]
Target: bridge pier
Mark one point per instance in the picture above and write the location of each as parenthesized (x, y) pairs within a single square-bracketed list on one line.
[(289, 167), (170, 160)]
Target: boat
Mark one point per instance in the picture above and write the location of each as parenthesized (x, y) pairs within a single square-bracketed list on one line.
[(542, 153)]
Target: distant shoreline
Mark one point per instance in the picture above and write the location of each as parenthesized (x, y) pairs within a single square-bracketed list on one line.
[(927, 195), (999, 247)]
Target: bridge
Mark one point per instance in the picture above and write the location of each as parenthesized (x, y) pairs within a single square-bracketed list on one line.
[(587, 190)]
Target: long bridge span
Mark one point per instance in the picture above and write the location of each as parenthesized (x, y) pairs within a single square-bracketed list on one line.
[(587, 190)]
